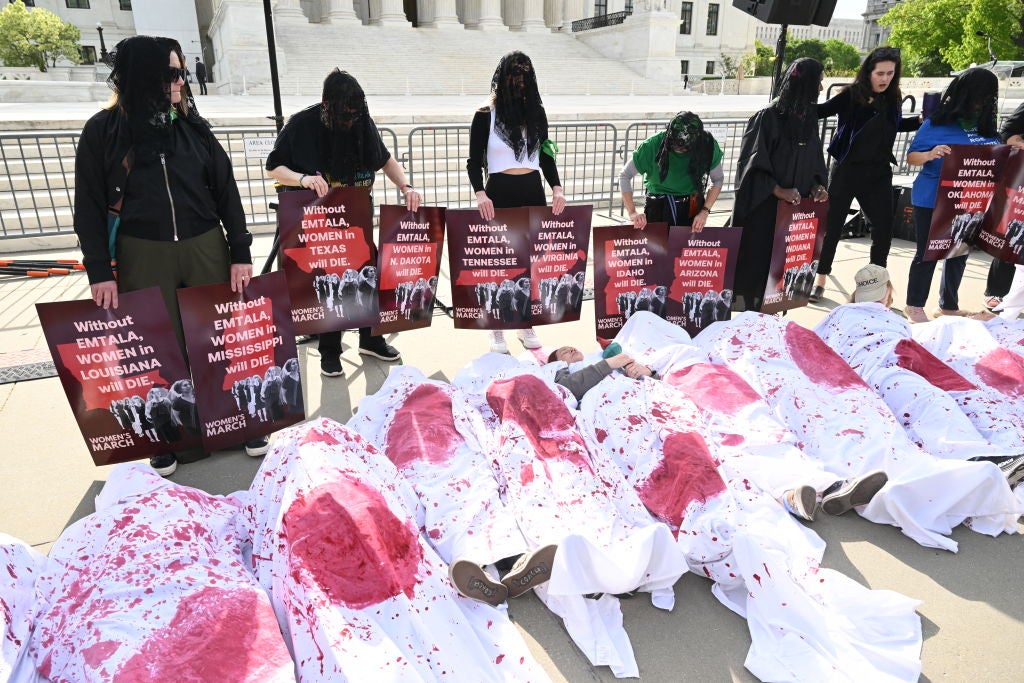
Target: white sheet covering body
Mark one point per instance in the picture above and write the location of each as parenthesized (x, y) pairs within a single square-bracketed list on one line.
[(335, 534), (1009, 333), (431, 437), (20, 565), (753, 446), (806, 623), (969, 347), (943, 412), (840, 421), (152, 587)]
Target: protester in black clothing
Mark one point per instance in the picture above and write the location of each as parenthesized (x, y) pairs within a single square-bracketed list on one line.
[(869, 111), (200, 72), (336, 144), (780, 160), (509, 139), (154, 185), (1000, 273)]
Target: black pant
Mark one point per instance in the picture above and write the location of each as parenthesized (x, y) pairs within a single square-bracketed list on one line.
[(202, 87), (657, 210), (753, 261), (1000, 275), (329, 343), (871, 185), (920, 278), (512, 191)]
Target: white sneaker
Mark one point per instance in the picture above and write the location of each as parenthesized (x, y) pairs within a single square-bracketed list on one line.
[(529, 338), (498, 344)]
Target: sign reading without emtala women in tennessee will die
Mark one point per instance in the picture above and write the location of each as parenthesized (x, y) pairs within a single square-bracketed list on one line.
[(123, 374), (328, 256), (242, 352)]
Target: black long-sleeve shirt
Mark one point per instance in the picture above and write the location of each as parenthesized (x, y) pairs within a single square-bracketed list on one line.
[(866, 132)]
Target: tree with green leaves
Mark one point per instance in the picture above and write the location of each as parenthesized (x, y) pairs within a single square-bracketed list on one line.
[(937, 36), (842, 58), (759, 63), (36, 37)]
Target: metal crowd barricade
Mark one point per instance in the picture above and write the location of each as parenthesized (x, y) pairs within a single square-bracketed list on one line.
[(37, 172)]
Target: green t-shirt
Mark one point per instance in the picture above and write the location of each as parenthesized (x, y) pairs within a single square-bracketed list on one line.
[(677, 181)]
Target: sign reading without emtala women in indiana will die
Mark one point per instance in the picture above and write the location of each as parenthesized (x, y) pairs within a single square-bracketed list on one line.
[(242, 352), (123, 374)]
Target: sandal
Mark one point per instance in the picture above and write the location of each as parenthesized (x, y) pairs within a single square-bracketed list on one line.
[(993, 302)]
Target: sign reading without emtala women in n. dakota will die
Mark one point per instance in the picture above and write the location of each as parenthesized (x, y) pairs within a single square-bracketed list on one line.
[(799, 234), (242, 351), (123, 374), (328, 255), (409, 264)]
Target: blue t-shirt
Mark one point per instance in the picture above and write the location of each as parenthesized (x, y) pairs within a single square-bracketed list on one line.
[(926, 185)]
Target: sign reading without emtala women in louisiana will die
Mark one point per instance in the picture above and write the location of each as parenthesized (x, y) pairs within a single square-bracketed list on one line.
[(123, 374), (242, 351), (408, 265), (328, 256)]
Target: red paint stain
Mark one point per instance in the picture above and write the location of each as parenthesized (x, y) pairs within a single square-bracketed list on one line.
[(344, 536), (821, 364), (601, 435), (423, 429), (686, 474), (713, 387), (732, 439), (434, 534), (758, 579), (215, 635), (96, 655), (1003, 371), (316, 436), (544, 419), (526, 475), (497, 660), (919, 360)]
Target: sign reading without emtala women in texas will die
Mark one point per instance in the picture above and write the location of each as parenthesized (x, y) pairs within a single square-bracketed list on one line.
[(242, 352), (328, 255), (123, 374)]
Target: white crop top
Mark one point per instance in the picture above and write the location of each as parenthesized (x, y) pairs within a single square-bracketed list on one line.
[(500, 156)]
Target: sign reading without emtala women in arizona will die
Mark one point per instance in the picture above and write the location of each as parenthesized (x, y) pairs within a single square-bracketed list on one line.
[(242, 351), (123, 374)]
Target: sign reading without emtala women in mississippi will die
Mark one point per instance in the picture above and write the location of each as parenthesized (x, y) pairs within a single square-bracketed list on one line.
[(243, 357), (328, 255), (123, 374)]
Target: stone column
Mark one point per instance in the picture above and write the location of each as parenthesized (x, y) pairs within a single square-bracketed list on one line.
[(533, 16), (392, 13), (489, 16), (288, 10), (341, 12), (445, 15), (572, 10)]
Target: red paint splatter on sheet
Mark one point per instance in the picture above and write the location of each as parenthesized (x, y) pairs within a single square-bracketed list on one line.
[(544, 419), (423, 429), (526, 475), (215, 635), (758, 579), (713, 387), (317, 436), (912, 356), (96, 655), (345, 537), (1003, 371), (820, 363), (732, 439), (497, 660), (686, 474), (601, 435)]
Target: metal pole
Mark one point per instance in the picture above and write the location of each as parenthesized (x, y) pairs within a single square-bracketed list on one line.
[(780, 56), (278, 117)]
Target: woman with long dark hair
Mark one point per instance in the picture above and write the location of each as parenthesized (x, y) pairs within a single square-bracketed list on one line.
[(780, 160), (509, 139), (966, 115), (335, 143), (153, 188), (870, 115), (677, 164)]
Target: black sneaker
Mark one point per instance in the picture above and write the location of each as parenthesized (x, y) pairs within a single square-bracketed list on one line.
[(330, 366), (164, 464), (816, 295), (1013, 469), (846, 494), (257, 447), (378, 348)]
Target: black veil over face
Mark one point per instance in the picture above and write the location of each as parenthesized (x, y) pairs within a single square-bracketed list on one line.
[(801, 85), (519, 118), (350, 135), (970, 100), (685, 133), (140, 79)]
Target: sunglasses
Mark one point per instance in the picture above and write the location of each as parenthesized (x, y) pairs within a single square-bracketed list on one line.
[(173, 73)]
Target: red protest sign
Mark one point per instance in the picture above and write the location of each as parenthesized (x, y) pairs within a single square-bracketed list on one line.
[(799, 234), (630, 266), (703, 271), (409, 264), (558, 262), (967, 182)]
